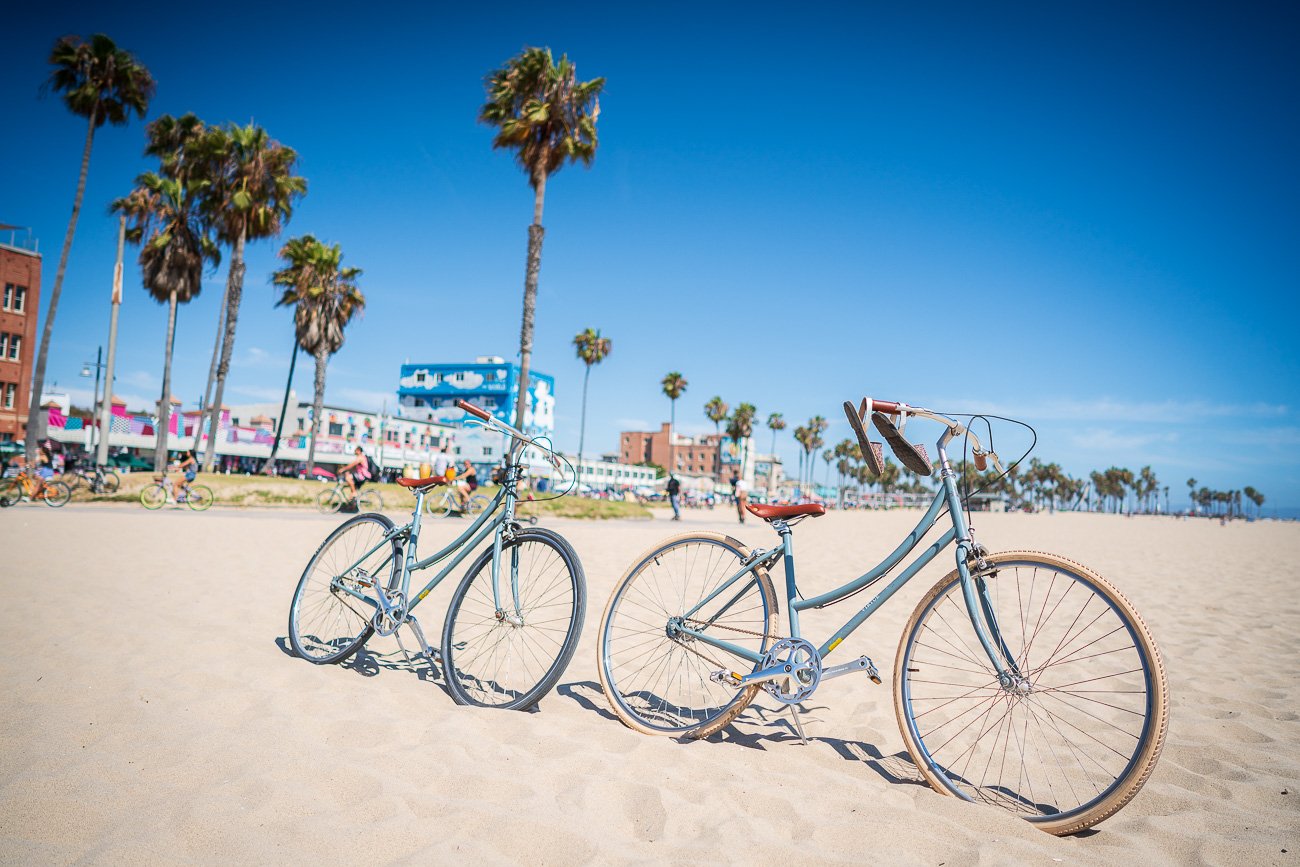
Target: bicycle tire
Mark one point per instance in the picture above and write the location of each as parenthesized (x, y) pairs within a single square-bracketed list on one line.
[(524, 661), (109, 485), (439, 506), (644, 695), (153, 497), (327, 625), (370, 501), (329, 502), (476, 504), (56, 494), (939, 642), (199, 498), (11, 491)]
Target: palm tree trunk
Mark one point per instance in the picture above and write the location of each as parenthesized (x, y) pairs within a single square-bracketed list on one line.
[(318, 406), (234, 290), (582, 425), (284, 408), (207, 415), (672, 426), (165, 404), (34, 421), (532, 268)]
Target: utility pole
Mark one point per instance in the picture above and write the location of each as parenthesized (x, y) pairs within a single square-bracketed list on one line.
[(106, 410)]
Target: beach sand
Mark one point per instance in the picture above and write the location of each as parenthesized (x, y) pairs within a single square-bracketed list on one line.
[(152, 712)]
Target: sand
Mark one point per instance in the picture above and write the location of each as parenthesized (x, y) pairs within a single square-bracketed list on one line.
[(153, 712)]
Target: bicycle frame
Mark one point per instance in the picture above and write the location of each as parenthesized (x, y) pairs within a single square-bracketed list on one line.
[(487, 523), (974, 589)]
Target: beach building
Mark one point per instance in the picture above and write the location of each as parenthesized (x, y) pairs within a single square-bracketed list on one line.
[(20, 282), (429, 391), (769, 472), (246, 433), (716, 457), (608, 473)]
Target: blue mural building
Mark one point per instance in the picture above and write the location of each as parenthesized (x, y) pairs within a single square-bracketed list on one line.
[(429, 392)]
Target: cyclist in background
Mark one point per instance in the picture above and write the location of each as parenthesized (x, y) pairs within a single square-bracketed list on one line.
[(189, 469), (355, 473), (466, 484)]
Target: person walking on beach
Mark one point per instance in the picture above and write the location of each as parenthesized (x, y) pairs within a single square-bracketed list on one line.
[(741, 489), (675, 497)]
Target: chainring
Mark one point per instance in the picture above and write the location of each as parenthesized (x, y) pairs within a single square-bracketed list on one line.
[(804, 664)]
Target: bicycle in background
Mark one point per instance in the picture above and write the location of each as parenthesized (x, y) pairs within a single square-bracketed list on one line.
[(197, 497), (330, 501), (25, 486)]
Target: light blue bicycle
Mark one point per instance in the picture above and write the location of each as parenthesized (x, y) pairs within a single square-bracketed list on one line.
[(512, 624), (1022, 679)]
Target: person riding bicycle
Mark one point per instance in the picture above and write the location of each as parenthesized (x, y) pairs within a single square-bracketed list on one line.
[(44, 469), (466, 484), (355, 473), (189, 468)]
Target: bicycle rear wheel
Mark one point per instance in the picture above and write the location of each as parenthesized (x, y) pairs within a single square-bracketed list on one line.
[(326, 622), (199, 498), (1074, 736), (510, 657), (153, 497), (11, 491), (329, 502), (656, 679), (56, 494), (439, 506)]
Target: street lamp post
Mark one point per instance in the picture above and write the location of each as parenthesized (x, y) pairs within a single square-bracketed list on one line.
[(105, 420), (98, 365)]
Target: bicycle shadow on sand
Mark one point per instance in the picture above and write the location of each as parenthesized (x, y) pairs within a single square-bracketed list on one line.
[(760, 728), (367, 663)]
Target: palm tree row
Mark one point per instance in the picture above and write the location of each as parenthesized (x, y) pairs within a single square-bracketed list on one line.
[(227, 185), (235, 185)]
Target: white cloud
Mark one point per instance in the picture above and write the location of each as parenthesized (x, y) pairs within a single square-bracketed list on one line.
[(1108, 409)]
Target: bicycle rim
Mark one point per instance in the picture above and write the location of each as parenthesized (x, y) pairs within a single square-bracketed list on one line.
[(510, 657), (370, 501), (329, 502), (326, 623), (1078, 733), (199, 498), (153, 497), (659, 683), (56, 494)]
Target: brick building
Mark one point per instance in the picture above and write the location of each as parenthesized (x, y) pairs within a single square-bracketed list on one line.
[(20, 295), (693, 455)]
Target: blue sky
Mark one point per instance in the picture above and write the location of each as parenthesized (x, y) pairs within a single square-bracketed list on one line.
[(1081, 217)]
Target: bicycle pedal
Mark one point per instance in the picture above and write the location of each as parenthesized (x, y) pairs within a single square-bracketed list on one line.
[(726, 678)]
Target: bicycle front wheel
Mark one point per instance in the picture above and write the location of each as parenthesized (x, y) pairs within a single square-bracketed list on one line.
[(153, 497), (199, 498), (370, 501), (327, 619), (110, 483), (56, 494), (476, 504), (510, 656), (1077, 730), (656, 677), (329, 502)]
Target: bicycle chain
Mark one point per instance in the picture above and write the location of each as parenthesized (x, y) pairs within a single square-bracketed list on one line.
[(710, 659)]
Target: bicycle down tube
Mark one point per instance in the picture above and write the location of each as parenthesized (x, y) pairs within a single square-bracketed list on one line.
[(978, 607)]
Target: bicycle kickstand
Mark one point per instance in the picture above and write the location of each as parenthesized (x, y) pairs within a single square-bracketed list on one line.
[(798, 725), (424, 648)]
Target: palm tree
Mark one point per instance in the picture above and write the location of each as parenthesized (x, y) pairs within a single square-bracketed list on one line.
[(1191, 493), (674, 386), (165, 221), (801, 435), (592, 349), (324, 297), (548, 118), (740, 427), (104, 84), (250, 196), (816, 427), (716, 411), (775, 422)]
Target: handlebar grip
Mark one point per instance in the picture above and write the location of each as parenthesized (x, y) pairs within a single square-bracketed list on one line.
[(981, 461), (474, 410), (886, 406)]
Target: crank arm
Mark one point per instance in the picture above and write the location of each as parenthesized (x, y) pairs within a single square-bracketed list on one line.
[(733, 678), (862, 663)]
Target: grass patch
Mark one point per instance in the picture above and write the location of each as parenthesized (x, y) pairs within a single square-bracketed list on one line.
[(271, 492)]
